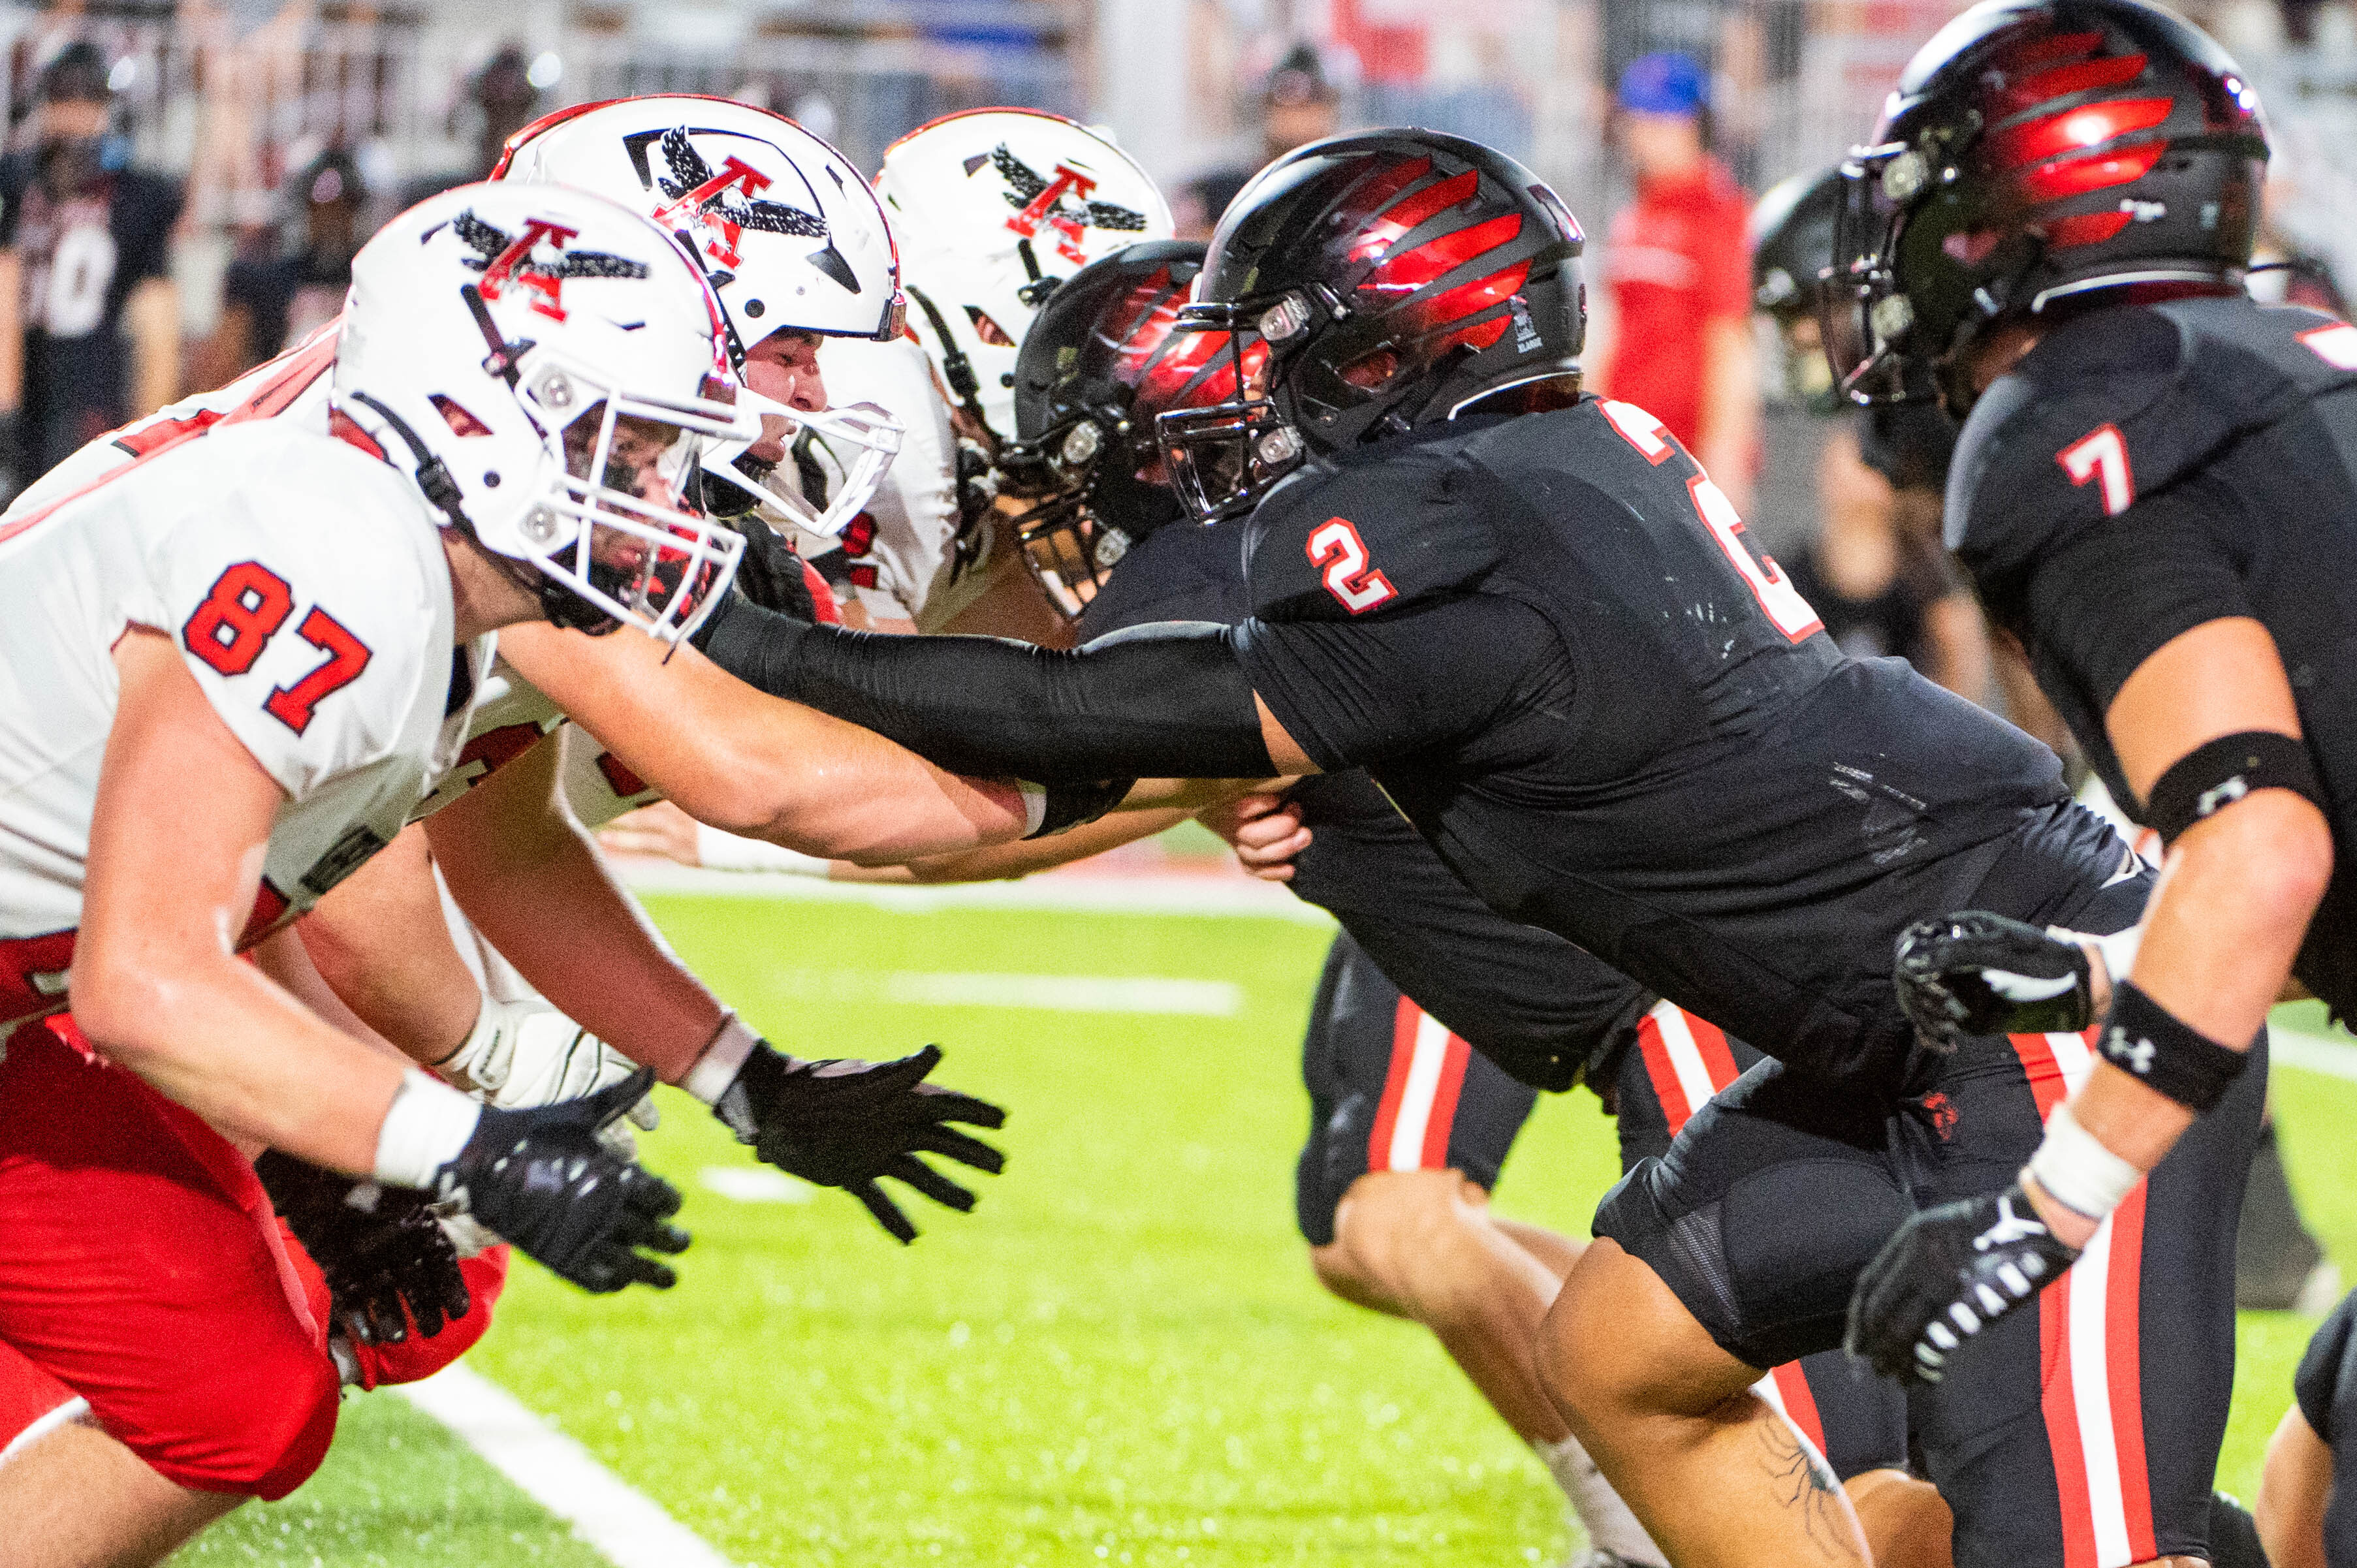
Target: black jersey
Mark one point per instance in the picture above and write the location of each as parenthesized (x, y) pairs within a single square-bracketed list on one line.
[(82, 252), (2146, 469), (1547, 639), (1523, 997)]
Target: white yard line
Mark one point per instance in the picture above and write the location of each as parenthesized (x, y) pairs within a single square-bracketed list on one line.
[(631, 1529), (1112, 894), (2314, 1053), (754, 1184)]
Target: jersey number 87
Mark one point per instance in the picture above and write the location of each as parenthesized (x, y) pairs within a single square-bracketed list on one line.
[(235, 622)]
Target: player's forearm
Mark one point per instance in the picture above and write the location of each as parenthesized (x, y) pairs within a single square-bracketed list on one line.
[(546, 899), (751, 765), (1731, 413), (1000, 862), (12, 332), (1172, 701), (381, 944), (218, 1037), (2225, 923)]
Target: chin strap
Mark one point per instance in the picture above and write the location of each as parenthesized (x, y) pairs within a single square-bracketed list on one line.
[(965, 385)]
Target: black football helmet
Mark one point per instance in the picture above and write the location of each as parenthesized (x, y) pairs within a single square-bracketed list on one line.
[(1390, 278), (1097, 362), (1792, 232), (2036, 151)]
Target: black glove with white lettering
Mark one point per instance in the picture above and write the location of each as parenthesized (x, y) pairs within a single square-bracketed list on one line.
[(1978, 973), (542, 1178), (1946, 1275), (388, 1264), (849, 1123)]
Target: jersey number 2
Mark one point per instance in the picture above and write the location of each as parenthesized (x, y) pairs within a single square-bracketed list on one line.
[(1335, 545), (248, 604)]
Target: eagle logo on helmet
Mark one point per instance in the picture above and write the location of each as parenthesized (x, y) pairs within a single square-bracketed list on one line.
[(1040, 201), (727, 202), (535, 260)]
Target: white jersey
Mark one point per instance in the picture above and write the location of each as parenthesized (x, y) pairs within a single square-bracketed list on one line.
[(508, 713), (902, 557), (304, 586)]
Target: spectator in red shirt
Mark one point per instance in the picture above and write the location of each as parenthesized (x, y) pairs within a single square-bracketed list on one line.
[(1678, 270)]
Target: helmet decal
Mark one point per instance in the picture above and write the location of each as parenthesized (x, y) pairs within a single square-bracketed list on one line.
[(536, 260), (1039, 200)]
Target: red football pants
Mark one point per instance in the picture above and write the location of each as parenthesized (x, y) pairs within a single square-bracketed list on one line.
[(142, 1268)]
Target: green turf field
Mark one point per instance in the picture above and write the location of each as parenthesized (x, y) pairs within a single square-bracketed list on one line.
[(1120, 1358)]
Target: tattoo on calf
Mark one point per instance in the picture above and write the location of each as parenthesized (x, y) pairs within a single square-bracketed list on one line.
[(1809, 1485)]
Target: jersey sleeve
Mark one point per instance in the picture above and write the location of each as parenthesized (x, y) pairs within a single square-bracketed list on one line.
[(1409, 681), (155, 202), (2107, 599), (1368, 538), (309, 642)]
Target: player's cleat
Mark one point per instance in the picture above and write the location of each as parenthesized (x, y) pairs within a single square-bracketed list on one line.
[(542, 1179), (1946, 1274), (387, 1263), (1978, 973), (850, 1123)]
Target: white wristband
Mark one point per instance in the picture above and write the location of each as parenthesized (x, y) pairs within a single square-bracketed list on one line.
[(2118, 950), (1035, 805), (2077, 1171), (717, 1068), (427, 1124)]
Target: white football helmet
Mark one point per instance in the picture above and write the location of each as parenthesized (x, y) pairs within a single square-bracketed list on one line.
[(993, 208), (787, 234), (549, 366)]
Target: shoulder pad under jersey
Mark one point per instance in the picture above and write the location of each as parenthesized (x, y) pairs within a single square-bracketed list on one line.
[(1383, 529), (2121, 404)]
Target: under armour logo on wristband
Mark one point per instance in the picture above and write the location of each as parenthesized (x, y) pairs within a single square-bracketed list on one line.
[(2136, 1058), (2225, 794)]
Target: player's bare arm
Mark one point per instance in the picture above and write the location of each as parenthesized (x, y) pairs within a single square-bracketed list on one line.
[(510, 853), (757, 766), (177, 838)]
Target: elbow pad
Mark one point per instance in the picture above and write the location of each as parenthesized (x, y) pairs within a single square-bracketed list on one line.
[(1167, 701)]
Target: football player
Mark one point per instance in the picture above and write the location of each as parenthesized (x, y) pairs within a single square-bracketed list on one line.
[(1538, 626), (993, 209), (2307, 1518), (797, 248), (2153, 490), (213, 711)]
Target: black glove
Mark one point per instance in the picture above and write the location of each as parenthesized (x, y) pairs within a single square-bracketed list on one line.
[(1946, 1275), (543, 1180), (386, 1260), (1978, 973), (848, 1124), (770, 575)]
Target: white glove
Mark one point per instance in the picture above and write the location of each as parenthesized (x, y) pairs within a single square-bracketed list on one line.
[(524, 1054)]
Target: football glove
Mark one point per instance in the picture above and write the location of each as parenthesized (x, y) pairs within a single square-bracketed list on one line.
[(388, 1265), (850, 1123), (542, 1179), (527, 1053), (770, 573), (1946, 1275), (1978, 973)]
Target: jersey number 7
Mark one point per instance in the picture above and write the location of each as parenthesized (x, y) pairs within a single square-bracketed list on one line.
[(248, 604), (1785, 607)]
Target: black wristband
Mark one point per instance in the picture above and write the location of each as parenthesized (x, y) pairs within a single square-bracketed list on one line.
[(2217, 773), (1071, 805), (2142, 1037)]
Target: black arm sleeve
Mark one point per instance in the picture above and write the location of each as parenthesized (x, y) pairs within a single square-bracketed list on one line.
[(1166, 701), (2107, 599)]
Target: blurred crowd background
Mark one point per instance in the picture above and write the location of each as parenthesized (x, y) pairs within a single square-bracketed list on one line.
[(186, 181)]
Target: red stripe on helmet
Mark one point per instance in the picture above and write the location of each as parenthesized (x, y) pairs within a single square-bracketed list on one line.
[(1404, 272), (1469, 299), (1401, 218), (2084, 229), (2052, 182), (1369, 198), (2075, 129), (2082, 76)]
